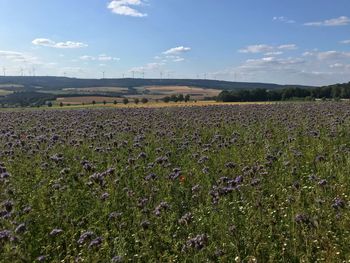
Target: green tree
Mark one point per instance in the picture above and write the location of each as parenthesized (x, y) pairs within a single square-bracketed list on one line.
[(136, 101), (125, 101), (144, 100), (173, 98)]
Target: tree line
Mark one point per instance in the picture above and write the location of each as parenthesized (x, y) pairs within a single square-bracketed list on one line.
[(337, 91)]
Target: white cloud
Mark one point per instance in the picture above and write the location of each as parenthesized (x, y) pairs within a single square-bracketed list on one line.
[(283, 19), (85, 57), (43, 42), (327, 55), (177, 50), (102, 57), (64, 45), (154, 66), (273, 53), (345, 41), (262, 48), (178, 59), (257, 49), (18, 57), (271, 62), (125, 7), (340, 66), (288, 47), (340, 21)]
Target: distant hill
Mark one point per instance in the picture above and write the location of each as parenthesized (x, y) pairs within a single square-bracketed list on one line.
[(58, 83)]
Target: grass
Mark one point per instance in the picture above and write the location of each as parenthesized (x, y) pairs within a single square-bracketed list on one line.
[(259, 183)]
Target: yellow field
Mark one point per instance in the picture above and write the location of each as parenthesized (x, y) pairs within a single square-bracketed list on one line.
[(183, 104), (5, 92), (11, 86), (194, 92), (161, 104), (98, 89)]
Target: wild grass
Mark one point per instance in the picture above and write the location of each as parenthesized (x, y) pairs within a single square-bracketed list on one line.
[(259, 183)]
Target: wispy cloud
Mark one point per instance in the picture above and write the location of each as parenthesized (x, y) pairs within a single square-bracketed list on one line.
[(64, 45), (283, 19), (101, 57), (328, 55), (340, 21), (19, 57), (262, 48), (126, 7), (345, 42), (154, 66), (177, 50)]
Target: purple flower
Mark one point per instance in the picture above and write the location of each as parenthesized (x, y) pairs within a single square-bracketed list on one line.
[(5, 235), (230, 165), (151, 176), (4, 175), (104, 196), (197, 242), (114, 215), (95, 243), (27, 209), (255, 182), (117, 259), (186, 219), (322, 182), (85, 236), (42, 258), (20, 229), (239, 179), (56, 232), (160, 207), (338, 203), (303, 219)]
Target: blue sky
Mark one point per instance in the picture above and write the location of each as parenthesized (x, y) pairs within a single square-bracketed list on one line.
[(294, 42)]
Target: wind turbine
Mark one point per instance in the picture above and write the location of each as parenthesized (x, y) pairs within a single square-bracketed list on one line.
[(133, 74), (103, 74), (21, 70), (4, 71)]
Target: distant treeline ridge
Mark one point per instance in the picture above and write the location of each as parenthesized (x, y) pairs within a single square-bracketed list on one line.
[(337, 91)]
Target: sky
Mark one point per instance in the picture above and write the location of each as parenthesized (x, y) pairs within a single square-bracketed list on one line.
[(275, 41)]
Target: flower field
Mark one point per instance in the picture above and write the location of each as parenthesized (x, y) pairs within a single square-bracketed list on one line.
[(234, 183)]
